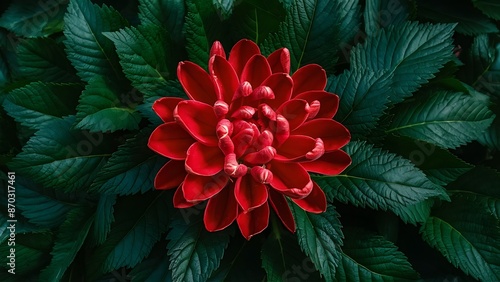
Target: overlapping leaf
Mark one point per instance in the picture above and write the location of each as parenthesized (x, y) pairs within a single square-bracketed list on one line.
[(489, 7), (380, 14), (443, 118), (224, 7), (104, 217), (197, 43), (152, 270), (168, 14)]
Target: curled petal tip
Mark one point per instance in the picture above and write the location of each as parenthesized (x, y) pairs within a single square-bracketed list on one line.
[(217, 49), (261, 175)]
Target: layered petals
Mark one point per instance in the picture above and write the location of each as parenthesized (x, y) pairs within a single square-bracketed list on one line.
[(280, 206), (170, 175), (221, 210), (197, 83), (170, 140), (199, 120), (333, 134), (249, 193), (256, 70), (203, 160), (295, 111), (279, 61), (290, 179), (295, 148), (253, 222), (226, 78), (315, 202), (180, 202), (331, 163), (328, 103), (199, 188), (164, 107), (307, 78), (241, 53)]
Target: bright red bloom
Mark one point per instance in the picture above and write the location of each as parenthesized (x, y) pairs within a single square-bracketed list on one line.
[(248, 138)]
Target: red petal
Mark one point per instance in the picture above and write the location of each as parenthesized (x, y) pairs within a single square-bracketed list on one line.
[(315, 202), (331, 163), (290, 179), (295, 111), (280, 206), (241, 52), (329, 103), (282, 85), (170, 175), (279, 60), (200, 188), (333, 134), (164, 107), (308, 77), (199, 120), (203, 160), (170, 140), (221, 210), (249, 193), (253, 222), (180, 202), (197, 83), (217, 49), (294, 148), (256, 70), (226, 77)]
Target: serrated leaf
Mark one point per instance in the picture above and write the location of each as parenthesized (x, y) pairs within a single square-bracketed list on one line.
[(379, 180), (143, 57), (224, 7), (131, 169), (444, 118), (168, 14), (312, 32), (61, 158), (478, 60), (152, 270), (194, 252), (467, 237), (197, 44), (44, 59), (470, 21), (38, 103), (489, 7), (133, 235), (380, 14), (320, 237), (31, 249), (34, 18), (68, 242), (411, 52), (90, 52), (491, 137), (104, 217), (102, 108), (363, 98), (370, 257)]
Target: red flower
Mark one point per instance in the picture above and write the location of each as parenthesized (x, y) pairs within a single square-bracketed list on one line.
[(248, 138)]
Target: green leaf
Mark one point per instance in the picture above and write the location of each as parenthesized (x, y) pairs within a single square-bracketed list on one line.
[(370, 257), (363, 98), (152, 270), (312, 32), (103, 109), (224, 7), (320, 237), (380, 180), (478, 59), (470, 21), (167, 14), (133, 235), (68, 242), (131, 169), (61, 158), (440, 166), (380, 14), (31, 252), (489, 7), (491, 137), (411, 52), (467, 237), (143, 56), (194, 252), (44, 59), (197, 44), (104, 217), (90, 52), (38, 103), (443, 118), (34, 18)]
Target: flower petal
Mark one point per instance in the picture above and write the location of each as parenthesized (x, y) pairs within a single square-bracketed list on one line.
[(200, 188), (164, 107), (256, 70), (197, 83), (329, 102), (221, 210), (225, 77), (170, 140), (331, 163), (295, 148), (217, 49), (203, 160), (295, 111), (170, 175), (333, 134), (290, 179), (249, 193), (282, 85), (280, 206), (241, 52), (180, 202), (199, 120), (308, 77), (253, 222), (314, 202), (279, 60)]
